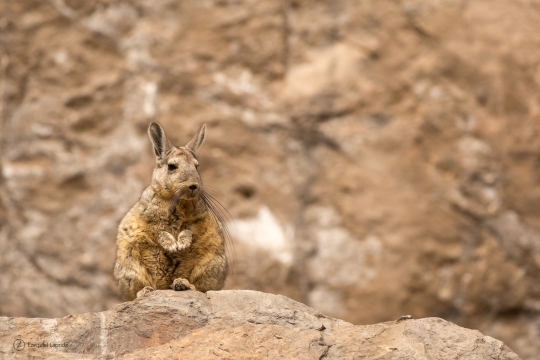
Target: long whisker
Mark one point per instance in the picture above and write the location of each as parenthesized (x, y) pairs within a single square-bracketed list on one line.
[(215, 194), (224, 218), (219, 211)]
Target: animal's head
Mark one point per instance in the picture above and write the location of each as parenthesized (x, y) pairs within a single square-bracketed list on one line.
[(175, 174)]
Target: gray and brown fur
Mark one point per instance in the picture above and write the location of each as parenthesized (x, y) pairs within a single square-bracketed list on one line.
[(171, 238)]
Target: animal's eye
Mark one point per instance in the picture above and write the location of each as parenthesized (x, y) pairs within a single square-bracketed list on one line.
[(172, 167)]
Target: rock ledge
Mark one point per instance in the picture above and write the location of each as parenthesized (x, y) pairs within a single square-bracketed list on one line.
[(234, 325)]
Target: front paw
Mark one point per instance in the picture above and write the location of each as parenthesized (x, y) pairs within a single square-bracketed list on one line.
[(170, 244), (184, 239), (167, 242), (181, 285)]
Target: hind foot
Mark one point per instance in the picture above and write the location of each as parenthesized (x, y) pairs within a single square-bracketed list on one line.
[(145, 290), (181, 285)]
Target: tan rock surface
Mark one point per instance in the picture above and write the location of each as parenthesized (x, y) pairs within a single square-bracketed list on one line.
[(237, 325), (379, 158)]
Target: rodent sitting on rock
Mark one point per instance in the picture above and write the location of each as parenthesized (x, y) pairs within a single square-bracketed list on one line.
[(172, 237)]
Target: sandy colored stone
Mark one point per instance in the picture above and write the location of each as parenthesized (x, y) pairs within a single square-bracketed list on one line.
[(238, 325)]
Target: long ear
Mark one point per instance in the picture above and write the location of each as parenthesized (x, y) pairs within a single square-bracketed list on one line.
[(197, 140), (159, 140)]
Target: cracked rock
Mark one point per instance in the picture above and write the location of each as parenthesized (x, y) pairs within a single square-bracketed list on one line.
[(235, 324)]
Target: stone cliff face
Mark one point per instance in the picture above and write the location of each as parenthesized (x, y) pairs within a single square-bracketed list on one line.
[(236, 325), (378, 158)]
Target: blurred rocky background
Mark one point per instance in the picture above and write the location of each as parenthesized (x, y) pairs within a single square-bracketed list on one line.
[(378, 158)]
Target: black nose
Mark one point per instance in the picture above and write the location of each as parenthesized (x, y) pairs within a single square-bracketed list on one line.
[(194, 187)]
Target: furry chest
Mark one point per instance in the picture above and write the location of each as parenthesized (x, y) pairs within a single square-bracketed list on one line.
[(175, 226)]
